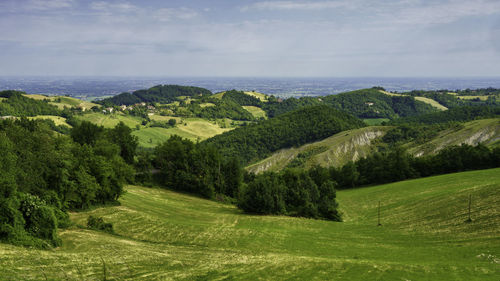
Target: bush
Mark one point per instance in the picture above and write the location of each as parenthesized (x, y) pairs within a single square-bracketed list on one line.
[(97, 223)]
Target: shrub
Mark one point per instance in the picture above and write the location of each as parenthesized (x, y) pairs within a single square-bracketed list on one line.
[(97, 223)]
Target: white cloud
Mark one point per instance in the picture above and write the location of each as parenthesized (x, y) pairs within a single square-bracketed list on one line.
[(168, 14), (447, 12), (49, 4), (107, 7), (300, 5)]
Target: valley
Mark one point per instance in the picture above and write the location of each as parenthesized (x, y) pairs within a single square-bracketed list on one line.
[(163, 235)]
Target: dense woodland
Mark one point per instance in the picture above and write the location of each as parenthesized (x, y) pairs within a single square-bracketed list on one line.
[(295, 128), (160, 93), (43, 175), (48, 170)]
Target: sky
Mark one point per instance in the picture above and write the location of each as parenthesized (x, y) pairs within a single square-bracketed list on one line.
[(317, 38)]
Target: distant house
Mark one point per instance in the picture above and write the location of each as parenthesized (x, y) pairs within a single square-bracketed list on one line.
[(150, 107), (123, 107), (109, 109), (369, 103)]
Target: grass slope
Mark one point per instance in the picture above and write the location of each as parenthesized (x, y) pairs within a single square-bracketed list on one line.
[(486, 131), (333, 151), (58, 120), (195, 129), (422, 99), (163, 235), (110, 120), (63, 101), (340, 148), (257, 112)]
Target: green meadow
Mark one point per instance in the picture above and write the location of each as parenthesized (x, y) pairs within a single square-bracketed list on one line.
[(165, 235)]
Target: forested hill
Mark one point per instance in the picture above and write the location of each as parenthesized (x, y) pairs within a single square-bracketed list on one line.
[(372, 103), (294, 128), (160, 93)]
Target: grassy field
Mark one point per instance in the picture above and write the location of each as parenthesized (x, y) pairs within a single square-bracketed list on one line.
[(483, 98), (257, 112), (163, 235), (110, 120), (422, 99), (151, 137), (195, 129), (58, 120), (63, 101), (262, 97), (432, 102)]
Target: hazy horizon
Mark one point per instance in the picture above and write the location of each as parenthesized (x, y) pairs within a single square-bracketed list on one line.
[(276, 39)]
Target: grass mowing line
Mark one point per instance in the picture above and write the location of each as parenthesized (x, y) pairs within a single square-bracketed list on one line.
[(162, 235)]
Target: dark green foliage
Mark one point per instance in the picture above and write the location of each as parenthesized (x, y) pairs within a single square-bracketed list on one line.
[(396, 165), (42, 175), (292, 192), (18, 105), (442, 97), (160, 93), (97, 223), (295, 128), (121, 135), (241, 98), (276, 106), (370, 103), (225, 108), (264, 195), (457, 114), (86, 133), (417, 132), (198, 169)]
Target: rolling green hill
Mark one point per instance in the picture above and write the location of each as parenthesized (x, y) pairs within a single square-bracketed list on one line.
[(335, 150), (340, 148), (163, 235)]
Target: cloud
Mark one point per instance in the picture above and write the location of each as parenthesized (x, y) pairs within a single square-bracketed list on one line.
[(168, 14), (43, 5), (299, 5), (110, 8), (446, 12)]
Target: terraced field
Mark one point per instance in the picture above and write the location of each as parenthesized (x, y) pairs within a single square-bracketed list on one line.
[(164, 235)]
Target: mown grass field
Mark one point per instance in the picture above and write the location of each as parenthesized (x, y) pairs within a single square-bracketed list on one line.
[(257, 112), (432, 102), (111, 120), (195, 129), (164, 235), (483, 98), (58, 120), (64, 101)]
